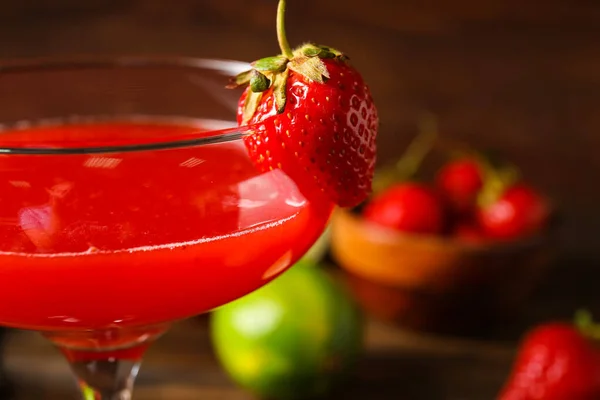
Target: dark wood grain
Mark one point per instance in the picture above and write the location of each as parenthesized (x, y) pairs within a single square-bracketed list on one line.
[(521, 77)]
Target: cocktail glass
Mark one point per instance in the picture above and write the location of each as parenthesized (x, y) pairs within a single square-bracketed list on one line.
[(128, 202)]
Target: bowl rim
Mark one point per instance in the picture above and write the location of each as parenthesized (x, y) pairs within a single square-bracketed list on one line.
[(375, 233)]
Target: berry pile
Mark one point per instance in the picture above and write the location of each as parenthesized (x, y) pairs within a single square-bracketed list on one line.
[(470, 198)]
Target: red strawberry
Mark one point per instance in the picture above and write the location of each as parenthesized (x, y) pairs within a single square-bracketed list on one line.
[(518, 211), (460, 182), (407, 207), (556, 361), (312, 115)]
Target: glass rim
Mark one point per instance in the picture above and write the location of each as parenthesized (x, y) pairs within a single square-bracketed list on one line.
[(224, 66)]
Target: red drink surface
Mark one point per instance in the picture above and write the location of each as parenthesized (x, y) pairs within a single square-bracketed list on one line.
[(118, 240)]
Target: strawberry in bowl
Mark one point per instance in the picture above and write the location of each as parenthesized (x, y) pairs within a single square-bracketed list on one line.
[(453, 246)]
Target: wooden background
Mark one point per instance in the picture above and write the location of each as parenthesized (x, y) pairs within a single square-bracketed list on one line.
[(522, 77), (513, 75)]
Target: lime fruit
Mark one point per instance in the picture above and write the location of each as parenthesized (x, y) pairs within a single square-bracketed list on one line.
[(295, 338)]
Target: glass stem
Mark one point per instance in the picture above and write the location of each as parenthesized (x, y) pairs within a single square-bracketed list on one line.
[(106, 379), (106, 362)]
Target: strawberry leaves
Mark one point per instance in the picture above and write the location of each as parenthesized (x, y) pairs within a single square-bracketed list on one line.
[(313, 50), (259, 82), (250, 105), (273, 72), (241, 79), (312, 68), (279, 87), (272, 64)]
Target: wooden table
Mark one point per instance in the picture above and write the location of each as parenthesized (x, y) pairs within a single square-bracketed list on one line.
[(181, 365)]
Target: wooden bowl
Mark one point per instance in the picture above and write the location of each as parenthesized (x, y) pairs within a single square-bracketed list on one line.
[(423, 281)]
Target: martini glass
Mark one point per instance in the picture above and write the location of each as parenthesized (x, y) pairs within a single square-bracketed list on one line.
[(128, 202)]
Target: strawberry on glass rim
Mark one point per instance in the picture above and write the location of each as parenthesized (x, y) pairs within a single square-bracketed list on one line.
[(312, 116)]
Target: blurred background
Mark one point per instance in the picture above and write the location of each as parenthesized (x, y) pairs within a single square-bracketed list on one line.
[(522, 77)]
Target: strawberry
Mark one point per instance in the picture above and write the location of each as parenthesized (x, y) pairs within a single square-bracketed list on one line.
[(460, 182), (555, 361), (508, 207), (518, 211), (407, 207), (310, 113)]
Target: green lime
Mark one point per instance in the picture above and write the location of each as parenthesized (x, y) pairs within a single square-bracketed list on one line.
[(295, 338)]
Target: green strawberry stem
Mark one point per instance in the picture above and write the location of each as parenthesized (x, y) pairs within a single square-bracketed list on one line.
[(284, 45), (584, 322), (411, 160), (273, 72), (496, 179)]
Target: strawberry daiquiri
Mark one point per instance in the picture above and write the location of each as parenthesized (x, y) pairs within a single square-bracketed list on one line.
[(118, 221), (168, 233)]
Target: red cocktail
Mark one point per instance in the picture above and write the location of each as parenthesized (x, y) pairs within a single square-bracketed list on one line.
[(141, 210)]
